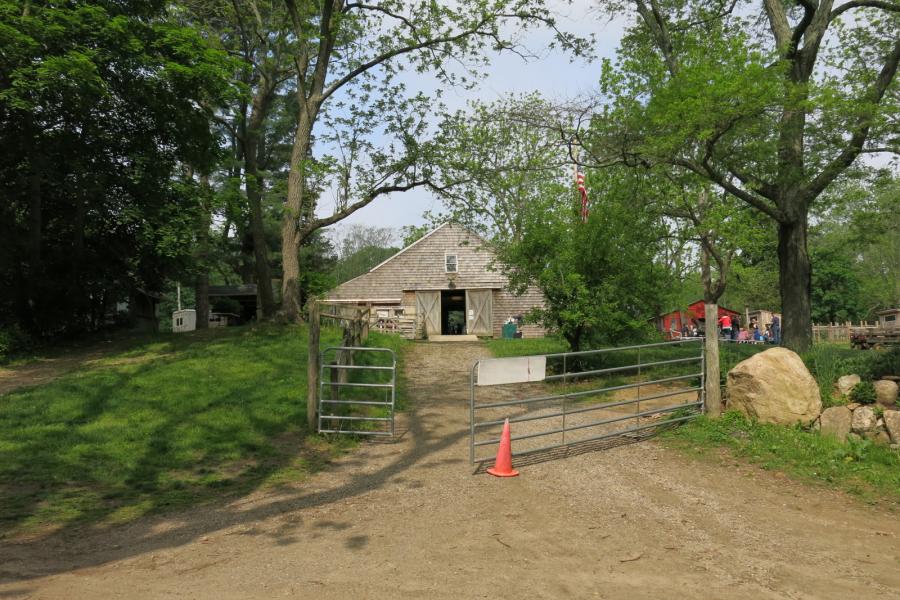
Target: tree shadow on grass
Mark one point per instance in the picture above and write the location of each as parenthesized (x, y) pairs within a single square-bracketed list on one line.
[(149, 486)]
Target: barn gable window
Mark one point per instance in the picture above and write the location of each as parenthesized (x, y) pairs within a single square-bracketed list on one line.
[(450, 263)]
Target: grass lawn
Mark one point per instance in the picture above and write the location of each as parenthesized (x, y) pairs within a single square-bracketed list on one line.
[(180, 420), (862, 468), (502, 348)]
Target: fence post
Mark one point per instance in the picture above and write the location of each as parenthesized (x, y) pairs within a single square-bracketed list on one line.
[(312, 369), (713, 403)]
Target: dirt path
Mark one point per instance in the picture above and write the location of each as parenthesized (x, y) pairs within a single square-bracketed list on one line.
[(409, 520), (43, 370), (61, 361)]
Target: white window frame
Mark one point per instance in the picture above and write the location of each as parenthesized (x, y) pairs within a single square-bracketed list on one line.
[(455, 262)]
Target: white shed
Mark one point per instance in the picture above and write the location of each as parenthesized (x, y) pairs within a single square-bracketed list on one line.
[(184, 320), (889, 318)]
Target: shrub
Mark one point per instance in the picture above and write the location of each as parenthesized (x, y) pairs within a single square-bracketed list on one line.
[(884, 363), (13, 341), (863, 393), (827, 362)]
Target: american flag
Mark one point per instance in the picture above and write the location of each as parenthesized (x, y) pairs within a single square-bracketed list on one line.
[(579, 182)]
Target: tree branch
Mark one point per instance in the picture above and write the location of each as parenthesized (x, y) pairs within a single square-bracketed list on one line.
[(859, 135), (706, 170), (778, 22), (315, 224), (381, 58), (809, 11), (889, 6), (654, 20)]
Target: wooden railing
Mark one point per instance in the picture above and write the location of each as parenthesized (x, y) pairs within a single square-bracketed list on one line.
[(840, 332), (353, 320)]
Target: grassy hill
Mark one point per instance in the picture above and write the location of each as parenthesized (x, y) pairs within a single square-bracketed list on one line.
[(179, 420)]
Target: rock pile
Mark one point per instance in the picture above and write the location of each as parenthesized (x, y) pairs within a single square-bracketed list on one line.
[(775, 387), (878, 422), (861, 420)]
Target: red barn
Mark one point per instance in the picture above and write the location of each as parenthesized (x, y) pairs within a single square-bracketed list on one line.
[(694, 315)]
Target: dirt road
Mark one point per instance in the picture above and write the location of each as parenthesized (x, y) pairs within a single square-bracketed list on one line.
[(410, 520)]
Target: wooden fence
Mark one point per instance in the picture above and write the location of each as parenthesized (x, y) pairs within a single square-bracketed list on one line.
[(840, 332)]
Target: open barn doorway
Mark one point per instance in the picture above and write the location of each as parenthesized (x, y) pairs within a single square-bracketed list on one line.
[(453, 312)]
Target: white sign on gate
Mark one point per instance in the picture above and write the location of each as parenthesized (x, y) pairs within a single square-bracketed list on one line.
[(499, 371)]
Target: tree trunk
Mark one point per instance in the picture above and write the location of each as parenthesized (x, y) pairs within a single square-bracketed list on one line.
[(713, 390), (254, 188), (291, 308), (260, 252), (795, 275), (291, 303), (35, 222), (247, 267), (201, 288), (35, 242), (201, 281)]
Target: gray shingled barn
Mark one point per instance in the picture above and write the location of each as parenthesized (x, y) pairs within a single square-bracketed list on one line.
[(442, 284)]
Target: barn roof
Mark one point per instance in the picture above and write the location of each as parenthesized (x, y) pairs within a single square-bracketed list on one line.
[(697, 310), (421, 266), (413, 245)]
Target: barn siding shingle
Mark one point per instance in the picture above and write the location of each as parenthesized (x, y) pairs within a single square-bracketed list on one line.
[(421, 266)]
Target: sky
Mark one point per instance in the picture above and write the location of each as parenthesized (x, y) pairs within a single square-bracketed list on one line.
[(554, 75)]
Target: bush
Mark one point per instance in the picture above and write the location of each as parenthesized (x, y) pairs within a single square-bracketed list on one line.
[(827, 362), (13, 341), (884, 363), (863, 393)]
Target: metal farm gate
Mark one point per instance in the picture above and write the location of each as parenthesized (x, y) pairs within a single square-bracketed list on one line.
[(359, 393), (562, 400)]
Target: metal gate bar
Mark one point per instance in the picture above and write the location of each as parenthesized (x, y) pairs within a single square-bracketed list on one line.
[(337, 385), (588, 409), (567, 410)]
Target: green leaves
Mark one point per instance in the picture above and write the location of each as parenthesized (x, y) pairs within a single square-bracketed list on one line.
[(98, 106)]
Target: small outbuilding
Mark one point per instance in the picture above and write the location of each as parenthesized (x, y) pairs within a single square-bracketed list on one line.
[(241, 299), (184, 320), (448, 283), (763, 318), (671, 323), (888, 318)]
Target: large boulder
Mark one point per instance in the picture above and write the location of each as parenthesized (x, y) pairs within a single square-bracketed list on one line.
[(846, 383), (886, 392), (835, 421), (774, 387), (892, 424), (864, 419)]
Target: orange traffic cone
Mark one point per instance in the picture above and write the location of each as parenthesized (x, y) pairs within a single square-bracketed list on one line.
[(503, 465)]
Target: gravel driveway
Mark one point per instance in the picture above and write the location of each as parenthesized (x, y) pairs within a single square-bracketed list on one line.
[(410, 520)]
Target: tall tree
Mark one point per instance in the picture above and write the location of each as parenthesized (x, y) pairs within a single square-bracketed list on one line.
[(100, 104), (259, 33), (772, 114), (350, 50), (864, 226), (602, 280)]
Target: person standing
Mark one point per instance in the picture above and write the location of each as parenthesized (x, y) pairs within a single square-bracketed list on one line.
[(776, 329), (725, 323), (735, 327)]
